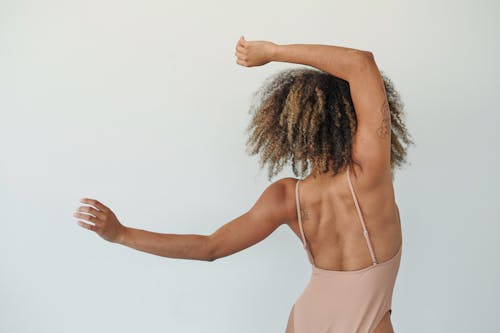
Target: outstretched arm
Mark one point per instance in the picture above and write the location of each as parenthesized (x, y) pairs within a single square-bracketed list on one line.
[(267, 214), (372, 142)]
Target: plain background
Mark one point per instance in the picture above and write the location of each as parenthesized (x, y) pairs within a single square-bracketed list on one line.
[(140, 104)]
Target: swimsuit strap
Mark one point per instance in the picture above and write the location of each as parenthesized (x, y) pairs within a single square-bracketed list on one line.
[(299, 217), (298, 213), (361, 220)]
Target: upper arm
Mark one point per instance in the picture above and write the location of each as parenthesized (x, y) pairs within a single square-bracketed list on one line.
[(372, 141), (266, 215)]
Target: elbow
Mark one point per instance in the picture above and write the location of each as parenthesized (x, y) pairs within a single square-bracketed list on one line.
[(210, 251), (362, 62), (210, 256), (364, 59), (367, 56)]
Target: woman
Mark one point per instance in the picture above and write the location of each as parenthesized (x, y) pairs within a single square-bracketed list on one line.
[(342, 121)]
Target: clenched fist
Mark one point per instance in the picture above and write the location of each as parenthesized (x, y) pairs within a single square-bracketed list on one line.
[(254, 53), (105, 223)]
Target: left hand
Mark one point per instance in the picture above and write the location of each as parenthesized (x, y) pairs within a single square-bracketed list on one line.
[(106, 225), (254, 53)]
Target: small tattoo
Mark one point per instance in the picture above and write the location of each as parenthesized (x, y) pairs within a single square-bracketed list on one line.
[(305, 214), (385, 125)]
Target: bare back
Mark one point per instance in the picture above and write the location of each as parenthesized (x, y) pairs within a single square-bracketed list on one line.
[(331, 224), (340, 237)]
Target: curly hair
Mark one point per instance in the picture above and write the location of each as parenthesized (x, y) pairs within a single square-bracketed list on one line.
[(306, 116)]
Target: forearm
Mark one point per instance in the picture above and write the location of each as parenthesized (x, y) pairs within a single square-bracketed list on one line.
[(181, 246), (336, 60)]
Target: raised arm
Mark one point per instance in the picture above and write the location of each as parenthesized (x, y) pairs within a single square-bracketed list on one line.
[(343, 62), (268, 213), (372, 142)]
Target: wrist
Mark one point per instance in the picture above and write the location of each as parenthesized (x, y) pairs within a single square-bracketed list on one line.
[(122, 236), (274, 51)]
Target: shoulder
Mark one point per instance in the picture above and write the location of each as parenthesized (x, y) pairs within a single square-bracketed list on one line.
[(278, 198), (282, 186), (282, 189)]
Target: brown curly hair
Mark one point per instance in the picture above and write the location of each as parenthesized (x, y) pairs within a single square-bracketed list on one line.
[(306, 116)]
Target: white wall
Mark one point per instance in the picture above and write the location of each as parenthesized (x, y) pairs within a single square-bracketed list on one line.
[(142, 106)]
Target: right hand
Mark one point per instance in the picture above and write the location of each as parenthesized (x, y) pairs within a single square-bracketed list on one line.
[(254, 53), (106, 224)]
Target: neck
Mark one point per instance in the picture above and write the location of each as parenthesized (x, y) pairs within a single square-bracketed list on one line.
[(325, 176)]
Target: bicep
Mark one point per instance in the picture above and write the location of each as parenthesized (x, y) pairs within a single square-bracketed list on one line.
[(372, 141), (265, 216)]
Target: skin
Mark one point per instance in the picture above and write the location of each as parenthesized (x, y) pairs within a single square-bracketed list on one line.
[(320, 196)]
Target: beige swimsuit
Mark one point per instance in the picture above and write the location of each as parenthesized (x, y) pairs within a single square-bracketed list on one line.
[(337, 301)]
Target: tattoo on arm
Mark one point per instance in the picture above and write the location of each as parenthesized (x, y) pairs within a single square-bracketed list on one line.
[(385, 124)]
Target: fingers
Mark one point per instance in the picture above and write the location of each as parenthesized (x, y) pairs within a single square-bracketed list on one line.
[(241, 53), (87, 226), (241, 56), (87, 217), (92, 210), (97, 213), (242, 63), (95, 203), (242, 43)]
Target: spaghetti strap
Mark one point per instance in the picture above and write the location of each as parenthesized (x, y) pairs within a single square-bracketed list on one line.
[(343, 300), (299, 217), (361, 220), (298, 213)]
